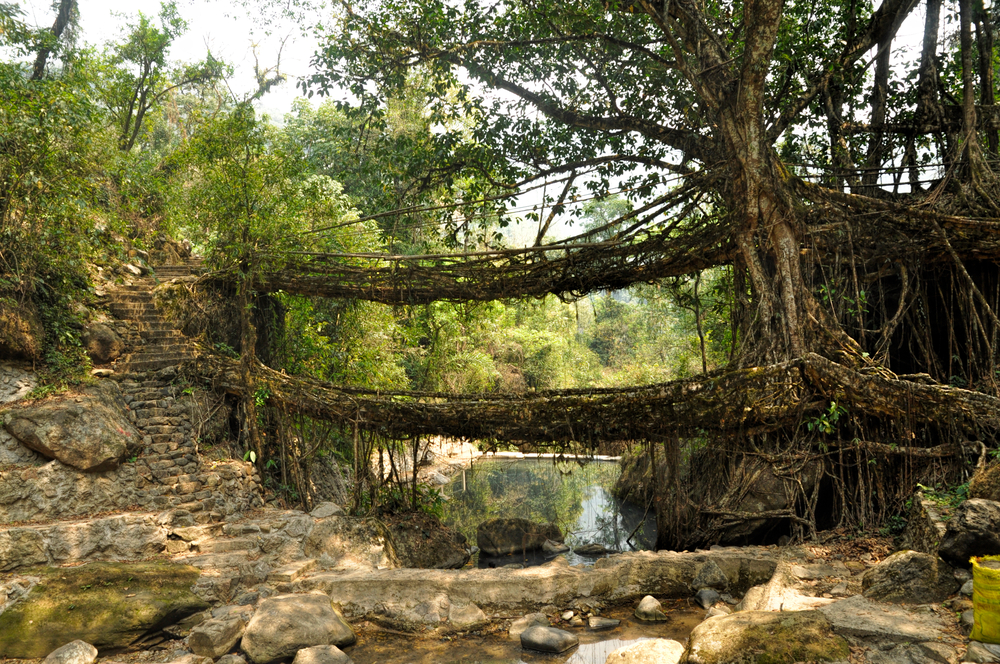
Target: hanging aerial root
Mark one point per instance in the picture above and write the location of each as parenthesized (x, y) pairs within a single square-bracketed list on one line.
[(739, 402)]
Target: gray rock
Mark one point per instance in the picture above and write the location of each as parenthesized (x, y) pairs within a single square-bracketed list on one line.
[(860, 617), (554, 548), (500, 537), (706, 597), (190, 658), (914, 653), (531, 620), (973, 530), (962, 575), (978, 652), (910, 577), (75, 652), (322, 655), (214, 638), (766, 636), (650, 651), (967, 588), (285, 624), (102, 343), (548, 639), (356, 542), (423, 542), (324, 510), (466, 616), (967, 619), (710, 575), (598, 623), (90, 431), (592, 550), (650, 610), (231, 659), (718, 611)]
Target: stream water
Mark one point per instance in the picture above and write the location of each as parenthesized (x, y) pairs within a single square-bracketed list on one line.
[(576, 496), (594, 648)]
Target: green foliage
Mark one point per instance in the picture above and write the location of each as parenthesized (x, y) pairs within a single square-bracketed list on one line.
[(827, 421), (137, 76), (946, 496)]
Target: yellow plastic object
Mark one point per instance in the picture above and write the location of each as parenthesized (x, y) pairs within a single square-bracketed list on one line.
[(986, 599)]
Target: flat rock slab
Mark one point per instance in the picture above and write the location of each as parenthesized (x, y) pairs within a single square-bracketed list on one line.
[(548, 639), (764, 636), (622, 577), (859, 617), (108, 605), (650, 651), (597, 623), (812, 571)]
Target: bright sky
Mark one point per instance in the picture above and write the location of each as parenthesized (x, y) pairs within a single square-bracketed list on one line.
[(224, 26)]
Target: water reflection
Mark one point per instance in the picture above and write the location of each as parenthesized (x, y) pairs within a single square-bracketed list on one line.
[(576, 497)]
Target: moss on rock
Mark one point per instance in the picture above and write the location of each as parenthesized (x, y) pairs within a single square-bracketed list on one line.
[(765, 637), (109, 605)]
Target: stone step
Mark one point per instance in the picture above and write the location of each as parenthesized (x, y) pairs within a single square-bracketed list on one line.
[(133, 308), (292, 571), (167, 437), (154, 429), (162, 333), (161, 402), (225, 545), (160, 363), (149, 413), (162, 420), (132, 296)]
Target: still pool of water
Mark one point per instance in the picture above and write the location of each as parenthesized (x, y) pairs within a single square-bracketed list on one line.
[(594, 648), (573, 495)]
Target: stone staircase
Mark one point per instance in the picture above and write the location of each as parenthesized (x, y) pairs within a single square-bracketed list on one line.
[(162, 343), (167, 412)]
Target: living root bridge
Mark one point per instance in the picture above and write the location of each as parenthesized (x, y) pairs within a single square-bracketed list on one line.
[(558, 269), (744, 401)]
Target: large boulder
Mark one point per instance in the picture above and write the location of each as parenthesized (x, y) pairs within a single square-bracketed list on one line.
[(422, 541), (109, 605), (217, 636), (548, 639), (102, 343), (21, 331), (973, 530), (88, 431), (75, 652), (759, 637), (500, 537), (350, 542), (285, 624), (650, 651), (910, 577)]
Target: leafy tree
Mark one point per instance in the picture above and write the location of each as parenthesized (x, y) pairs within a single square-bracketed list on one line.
[(138, 76)]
